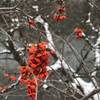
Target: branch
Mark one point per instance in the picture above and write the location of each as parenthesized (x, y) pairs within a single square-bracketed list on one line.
[(11, 46), (10, 86), (87, 87), (95, 91)]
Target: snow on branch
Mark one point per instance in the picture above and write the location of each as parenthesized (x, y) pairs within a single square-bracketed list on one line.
[(88, 21), (97, 51)]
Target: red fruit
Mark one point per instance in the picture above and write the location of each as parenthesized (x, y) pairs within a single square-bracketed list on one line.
[(59, 18), (61, 10), (13, 78), (43, 75), (78, 32), (31, 23)]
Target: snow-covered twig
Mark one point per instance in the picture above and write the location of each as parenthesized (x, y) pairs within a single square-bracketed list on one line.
[(88, 21), (97, 51), (4, 51)]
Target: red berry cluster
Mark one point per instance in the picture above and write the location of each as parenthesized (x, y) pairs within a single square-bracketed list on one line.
[(38, 59), (36, 69), (60, 12), (78, 33)]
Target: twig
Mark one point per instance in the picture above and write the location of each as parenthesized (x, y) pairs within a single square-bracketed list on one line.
[(95, 91)]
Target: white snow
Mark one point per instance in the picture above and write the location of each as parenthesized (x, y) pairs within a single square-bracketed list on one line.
[(36, 7)]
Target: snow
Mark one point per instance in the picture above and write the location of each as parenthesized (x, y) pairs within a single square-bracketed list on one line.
[(36, 7), (4, 51)]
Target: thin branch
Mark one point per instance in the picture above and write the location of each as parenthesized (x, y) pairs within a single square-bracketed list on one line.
[(95, 91), (10, 86)]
